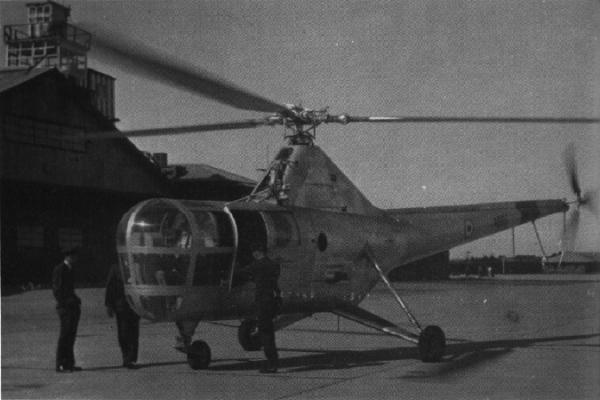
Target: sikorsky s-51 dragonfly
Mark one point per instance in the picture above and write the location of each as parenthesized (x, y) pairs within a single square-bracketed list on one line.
[(181, 259)]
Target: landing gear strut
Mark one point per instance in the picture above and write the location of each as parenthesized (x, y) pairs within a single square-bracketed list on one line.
[(432, 341), (197, 352)]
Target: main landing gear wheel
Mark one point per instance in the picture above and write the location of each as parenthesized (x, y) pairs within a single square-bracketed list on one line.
[(432, 344), (198, 355), (248, 335)]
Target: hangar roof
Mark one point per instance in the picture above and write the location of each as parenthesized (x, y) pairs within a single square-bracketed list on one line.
[(177, 173), (204, 172), (12, 77)]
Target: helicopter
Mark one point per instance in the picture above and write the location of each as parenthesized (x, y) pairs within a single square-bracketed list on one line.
[(182, 260)]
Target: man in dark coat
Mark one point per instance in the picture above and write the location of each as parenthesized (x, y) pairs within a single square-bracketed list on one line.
[(265, 274), (128, 322), (68, 306)]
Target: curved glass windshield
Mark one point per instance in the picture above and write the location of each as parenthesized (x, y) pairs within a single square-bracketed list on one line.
[(208, 234), (215, 257), (159, 244), (161, 224), (166, 242), (167, 247)]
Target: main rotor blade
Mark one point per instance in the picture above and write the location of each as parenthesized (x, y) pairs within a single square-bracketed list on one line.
[(343, 119), (149, 64), (174, 130)]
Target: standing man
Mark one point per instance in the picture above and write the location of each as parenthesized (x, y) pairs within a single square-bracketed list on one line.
[(68, 306), (265, 274), (128, 322)]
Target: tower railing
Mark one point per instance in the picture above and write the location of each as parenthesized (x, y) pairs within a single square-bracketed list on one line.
[(65, 33)]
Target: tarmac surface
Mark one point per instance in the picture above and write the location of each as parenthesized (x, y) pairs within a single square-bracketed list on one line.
[(507, 339)]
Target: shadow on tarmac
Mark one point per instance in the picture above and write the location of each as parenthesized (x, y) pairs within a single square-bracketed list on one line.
[(13, 387), (459, 356), (140, 366)]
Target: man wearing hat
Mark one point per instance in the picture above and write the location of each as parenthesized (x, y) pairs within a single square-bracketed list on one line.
[(68, 306), (265, 274)]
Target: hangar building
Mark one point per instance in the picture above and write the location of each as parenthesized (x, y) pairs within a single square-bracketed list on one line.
[(59, 188)]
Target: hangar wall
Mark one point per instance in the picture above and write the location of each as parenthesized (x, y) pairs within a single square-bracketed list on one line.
[(61, 186), (46, 119), (59, 189)]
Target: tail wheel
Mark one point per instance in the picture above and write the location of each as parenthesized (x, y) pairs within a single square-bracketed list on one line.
[(248, 335), (198, 355), (432, 344)]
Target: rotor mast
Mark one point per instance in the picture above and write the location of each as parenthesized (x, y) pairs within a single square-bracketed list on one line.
[(301, 123)]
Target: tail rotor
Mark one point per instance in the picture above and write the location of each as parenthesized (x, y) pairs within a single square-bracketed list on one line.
[(587, 200)]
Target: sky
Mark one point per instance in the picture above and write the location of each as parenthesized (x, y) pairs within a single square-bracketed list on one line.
[(410, 58)]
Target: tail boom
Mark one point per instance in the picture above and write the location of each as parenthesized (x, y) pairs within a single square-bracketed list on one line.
[(436, 229)]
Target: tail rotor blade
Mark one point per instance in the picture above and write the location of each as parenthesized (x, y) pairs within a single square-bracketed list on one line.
[(591, 198), (570, 232), (588, 200), (571, 166)]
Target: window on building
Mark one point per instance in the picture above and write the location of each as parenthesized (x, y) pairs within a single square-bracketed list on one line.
[(44, 134), (70, 238), (30, 236), (39, 14)]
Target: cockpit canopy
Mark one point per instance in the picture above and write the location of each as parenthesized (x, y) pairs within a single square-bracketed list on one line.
[(159, 239), (170, 250)]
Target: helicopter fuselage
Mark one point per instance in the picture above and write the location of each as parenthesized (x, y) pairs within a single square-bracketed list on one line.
[(184, 260)]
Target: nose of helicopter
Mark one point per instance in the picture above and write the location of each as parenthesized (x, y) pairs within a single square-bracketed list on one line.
[(169, 251), (154, 243)]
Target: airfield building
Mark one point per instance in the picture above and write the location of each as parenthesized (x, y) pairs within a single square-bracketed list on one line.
[(573, 262), (61, 186)]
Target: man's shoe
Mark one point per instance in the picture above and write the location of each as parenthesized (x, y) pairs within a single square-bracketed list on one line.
[(76, 369), (62, 369), (131, 365)]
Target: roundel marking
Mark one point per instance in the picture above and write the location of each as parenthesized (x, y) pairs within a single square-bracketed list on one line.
[(468, 229), (322, 241)]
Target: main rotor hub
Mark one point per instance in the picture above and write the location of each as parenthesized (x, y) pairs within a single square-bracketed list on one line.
[(302, 122)]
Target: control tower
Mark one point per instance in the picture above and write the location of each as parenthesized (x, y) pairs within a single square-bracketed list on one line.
[(49, 41)]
